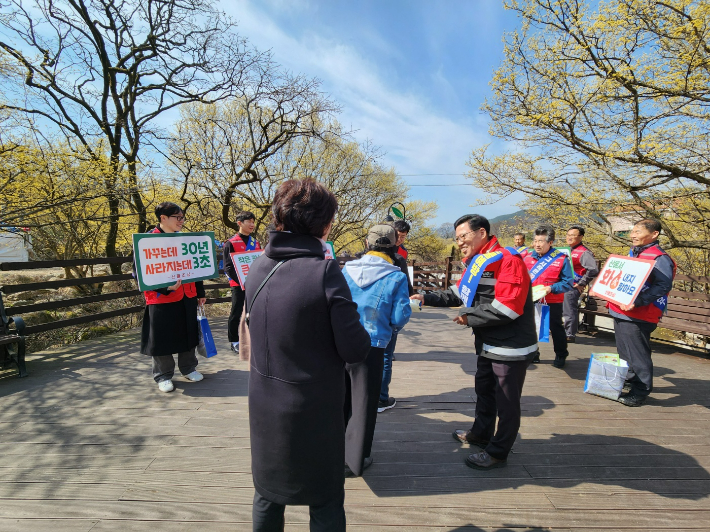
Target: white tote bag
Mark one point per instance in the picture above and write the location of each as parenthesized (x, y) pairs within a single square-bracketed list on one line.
[(606, 375)]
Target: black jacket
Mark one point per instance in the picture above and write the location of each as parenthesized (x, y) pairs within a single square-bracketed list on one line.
[(304, 326)]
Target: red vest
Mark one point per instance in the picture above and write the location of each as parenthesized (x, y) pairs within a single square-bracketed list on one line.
[(402, 251), (239, 246), (184, 290), (650, 312), (578, 269), (549, 277)]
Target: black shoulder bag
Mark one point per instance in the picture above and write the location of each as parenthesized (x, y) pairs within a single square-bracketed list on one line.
[(247, 309)]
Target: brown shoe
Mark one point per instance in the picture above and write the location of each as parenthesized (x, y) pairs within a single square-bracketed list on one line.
[(465, 436), (483, 460)]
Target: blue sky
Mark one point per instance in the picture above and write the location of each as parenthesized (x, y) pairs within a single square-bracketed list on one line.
[(410, 76)]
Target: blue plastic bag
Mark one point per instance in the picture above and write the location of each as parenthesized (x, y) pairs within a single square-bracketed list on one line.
[(542, 320), (206, 347)]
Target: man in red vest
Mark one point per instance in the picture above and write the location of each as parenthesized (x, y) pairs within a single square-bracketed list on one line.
[(633, 324), (550, 268), (585, 269), (496, 301), (241, 241)]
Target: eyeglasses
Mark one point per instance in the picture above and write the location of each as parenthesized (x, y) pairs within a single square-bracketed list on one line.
[(178, 217), (460, 238)]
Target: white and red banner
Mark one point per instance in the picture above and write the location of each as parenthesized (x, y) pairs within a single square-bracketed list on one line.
[(621, 279), (242, 262)]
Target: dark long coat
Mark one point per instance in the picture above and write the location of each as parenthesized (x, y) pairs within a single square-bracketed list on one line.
[(304, 326)]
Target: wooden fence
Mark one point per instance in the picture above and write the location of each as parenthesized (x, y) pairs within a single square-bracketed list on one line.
[(690, 296)]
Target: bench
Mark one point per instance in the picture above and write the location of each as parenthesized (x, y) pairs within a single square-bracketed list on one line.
[(688, 309), (8, 337)]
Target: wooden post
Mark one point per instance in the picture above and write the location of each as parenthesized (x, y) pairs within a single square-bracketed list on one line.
[(447, 274)]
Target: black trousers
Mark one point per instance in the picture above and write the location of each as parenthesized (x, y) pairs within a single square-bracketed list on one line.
[(557, 330), (363, 382), (268, 516), (164, 366), (633, 342), (499, 386), (235, 314)]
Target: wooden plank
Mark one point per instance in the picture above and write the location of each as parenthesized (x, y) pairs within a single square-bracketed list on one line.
[(689, 295), (60, 324), (571, 500), (56, 491), (693, 278), (45, 285), (361, 515), (63, 303), (65, 263), (42, 525)]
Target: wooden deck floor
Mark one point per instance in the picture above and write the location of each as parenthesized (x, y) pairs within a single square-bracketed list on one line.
[(89, 444)]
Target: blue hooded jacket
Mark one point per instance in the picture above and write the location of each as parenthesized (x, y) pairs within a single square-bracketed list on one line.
[(382, 295)]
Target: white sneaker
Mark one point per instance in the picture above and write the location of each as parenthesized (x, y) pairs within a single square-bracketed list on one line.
[(235, 347), (166, 386), (195, 376)]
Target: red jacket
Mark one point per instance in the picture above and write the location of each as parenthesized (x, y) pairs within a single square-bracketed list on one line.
[(184, 290), (502, 314)]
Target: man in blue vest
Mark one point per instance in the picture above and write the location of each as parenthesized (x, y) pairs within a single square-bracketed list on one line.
[(241, 241), (550, 268), (495, 294)]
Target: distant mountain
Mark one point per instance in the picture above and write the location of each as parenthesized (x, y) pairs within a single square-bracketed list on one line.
[(506, 217), (516, 221)]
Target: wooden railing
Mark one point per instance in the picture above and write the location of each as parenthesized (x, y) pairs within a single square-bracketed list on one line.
[(130, 308), (689, 301)]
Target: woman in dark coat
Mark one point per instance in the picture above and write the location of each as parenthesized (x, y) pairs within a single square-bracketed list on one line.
[(170, 318), (304, 326)]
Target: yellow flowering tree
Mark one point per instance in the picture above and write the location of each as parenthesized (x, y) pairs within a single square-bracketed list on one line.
[(607, 111)]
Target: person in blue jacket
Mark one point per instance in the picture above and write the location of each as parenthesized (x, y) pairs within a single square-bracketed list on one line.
[(381, 292)]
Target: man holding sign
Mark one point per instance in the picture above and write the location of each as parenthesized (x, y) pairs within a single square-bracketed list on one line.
[(242, 241), (634, 322), (495, 293)]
